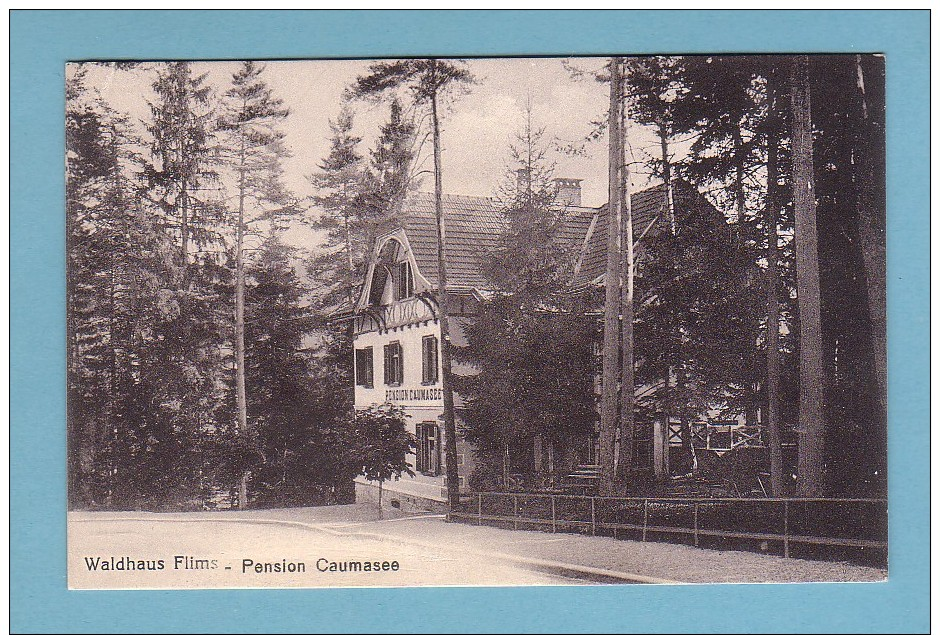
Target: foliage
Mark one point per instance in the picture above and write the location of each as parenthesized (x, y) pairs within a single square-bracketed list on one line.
[(295, 422), (530, 346), (382, 442)]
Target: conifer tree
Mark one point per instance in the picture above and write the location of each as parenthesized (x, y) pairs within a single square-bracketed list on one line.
[(184, 189), (429, 81), (531, 343), (389, 177), (340, 187), (251, 122), (286, 419)]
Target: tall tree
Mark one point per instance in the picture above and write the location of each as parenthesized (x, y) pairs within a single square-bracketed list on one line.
[(340, 189), (390, 175), (184, 188), (182, 171), (251, 122), (611, 351), (812, 425), (131, 444), (772, 413), (531, 343), (429, 80), (287, 416), (655, 89)]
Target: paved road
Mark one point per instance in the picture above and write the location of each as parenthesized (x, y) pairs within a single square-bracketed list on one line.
[(201, 553), (428, 551)]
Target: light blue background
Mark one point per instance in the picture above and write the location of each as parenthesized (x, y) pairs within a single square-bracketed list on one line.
[(41, 43)]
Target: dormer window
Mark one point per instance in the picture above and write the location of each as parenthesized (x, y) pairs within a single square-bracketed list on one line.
[(392, 277)]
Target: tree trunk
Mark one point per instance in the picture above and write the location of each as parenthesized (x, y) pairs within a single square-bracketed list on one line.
[(812, 428), (626, 461), (871, 229), (450, 423), (751, 324), (240, 393), (184, 232), (609, 396), (506, 463), (381, 482), (351, 268), (772, 423), (661, 429)]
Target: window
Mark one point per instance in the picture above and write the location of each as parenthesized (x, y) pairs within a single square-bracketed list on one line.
[(364, 367), (429, 359), (406, 285), (394, 366), (428, 455)]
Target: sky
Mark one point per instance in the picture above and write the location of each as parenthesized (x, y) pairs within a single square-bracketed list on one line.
[(477, 126)]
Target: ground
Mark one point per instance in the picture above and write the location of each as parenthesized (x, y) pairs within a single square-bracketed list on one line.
[(213, 548)]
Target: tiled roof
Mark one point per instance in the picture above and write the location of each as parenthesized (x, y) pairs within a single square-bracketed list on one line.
[(472, 225), (648, 216)]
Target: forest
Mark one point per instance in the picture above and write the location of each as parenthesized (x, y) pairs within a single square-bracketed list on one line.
[(204, 364)]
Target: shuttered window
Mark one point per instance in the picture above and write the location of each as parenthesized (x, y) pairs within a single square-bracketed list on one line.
[(394, 365), (364, 367), (428, 455), (429, 353), (406, 285)]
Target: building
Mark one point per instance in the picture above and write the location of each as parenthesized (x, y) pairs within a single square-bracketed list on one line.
[(397, 332)]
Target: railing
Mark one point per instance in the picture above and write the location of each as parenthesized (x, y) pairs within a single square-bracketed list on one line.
[(815, 527)]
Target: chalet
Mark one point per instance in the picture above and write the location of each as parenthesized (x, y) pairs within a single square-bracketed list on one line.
[(397, 332)]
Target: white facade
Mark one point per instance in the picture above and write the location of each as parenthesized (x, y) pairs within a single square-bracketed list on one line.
[(396, 339)]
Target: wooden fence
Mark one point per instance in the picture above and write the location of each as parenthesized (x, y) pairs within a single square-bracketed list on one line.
[(816, 526)]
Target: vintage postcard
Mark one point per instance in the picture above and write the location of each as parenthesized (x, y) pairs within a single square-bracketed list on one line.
[(491, 321), (471, 321)]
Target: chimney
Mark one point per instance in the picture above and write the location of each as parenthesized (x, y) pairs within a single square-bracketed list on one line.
[(522, 180), (568, 192)]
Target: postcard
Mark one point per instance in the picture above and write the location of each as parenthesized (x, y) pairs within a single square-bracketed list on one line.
[(392, 322), (599, 325)]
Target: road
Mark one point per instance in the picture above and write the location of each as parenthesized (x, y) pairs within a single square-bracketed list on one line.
[(173, 551), (222, 550)]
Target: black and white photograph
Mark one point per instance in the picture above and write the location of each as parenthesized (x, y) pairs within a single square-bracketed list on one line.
[(492, 321)]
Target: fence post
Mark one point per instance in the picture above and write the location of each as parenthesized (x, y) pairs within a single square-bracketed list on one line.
[(515, 511), (645, 516), (695, 522), (553, 513), (786, 529), (593, 525), (479, 508)]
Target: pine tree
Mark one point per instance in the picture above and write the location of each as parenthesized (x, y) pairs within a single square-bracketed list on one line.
[(283, 407), (119, 258), (389, 177), (181, 174), (812, 416), (429, 81), (184, 188), (530, 344), (611, 361), (251, 121), (340, 186)]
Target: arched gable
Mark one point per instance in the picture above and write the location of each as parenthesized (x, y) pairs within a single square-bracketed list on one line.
[(393, 273)]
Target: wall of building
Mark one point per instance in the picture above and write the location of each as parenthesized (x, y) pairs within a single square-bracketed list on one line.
[(408, 322)]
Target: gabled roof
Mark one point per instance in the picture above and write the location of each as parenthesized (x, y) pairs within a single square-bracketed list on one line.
[(646, 206), (649, 217), (473, 225)]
